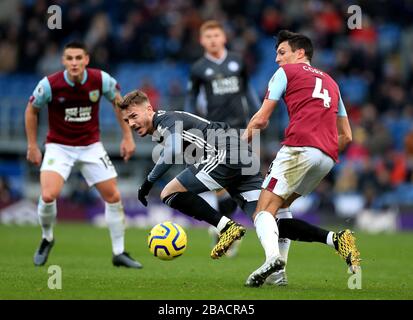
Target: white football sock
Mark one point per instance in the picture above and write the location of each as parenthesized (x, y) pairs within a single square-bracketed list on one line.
[(115, 218), (222, 223), (267, 231), (329, 240), (47, 215), (284, 243)]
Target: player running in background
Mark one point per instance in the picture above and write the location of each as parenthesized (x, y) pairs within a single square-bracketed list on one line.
[(72, 97), (318, 130), (219, 90), (219, 163)]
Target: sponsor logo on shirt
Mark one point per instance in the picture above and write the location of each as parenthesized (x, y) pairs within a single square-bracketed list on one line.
[(78, 114), (225, 86)]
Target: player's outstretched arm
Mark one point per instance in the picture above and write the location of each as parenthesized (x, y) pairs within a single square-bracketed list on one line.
[(127, 145), (31, 116), (344, 133), (160, 168), (260, 119)]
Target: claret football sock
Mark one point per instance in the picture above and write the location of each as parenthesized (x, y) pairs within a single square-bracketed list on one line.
[(194, 206)]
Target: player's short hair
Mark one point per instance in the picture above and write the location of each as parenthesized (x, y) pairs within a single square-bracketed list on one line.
[(296, 41), (75, 45), (134, 97), (210, 24)]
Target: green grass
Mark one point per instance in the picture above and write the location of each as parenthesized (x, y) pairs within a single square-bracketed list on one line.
[(83, 252)]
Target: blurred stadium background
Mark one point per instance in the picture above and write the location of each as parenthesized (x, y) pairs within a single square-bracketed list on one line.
[(150, 44)]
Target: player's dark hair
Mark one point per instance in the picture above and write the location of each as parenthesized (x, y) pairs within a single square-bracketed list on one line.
[(133, 97), (296, 41), (76, 45)]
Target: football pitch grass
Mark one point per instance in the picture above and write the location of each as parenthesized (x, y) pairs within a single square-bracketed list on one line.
[(84, 256)]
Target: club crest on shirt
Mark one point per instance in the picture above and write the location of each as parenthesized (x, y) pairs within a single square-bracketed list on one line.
[(209, 72), (233, 66), (94, 95)]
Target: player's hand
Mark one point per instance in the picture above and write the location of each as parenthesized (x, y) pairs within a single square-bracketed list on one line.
[(127, 148), (34, 155), (143, 191)]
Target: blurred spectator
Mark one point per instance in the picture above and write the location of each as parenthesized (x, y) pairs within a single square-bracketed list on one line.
[(152, 92), (50, 61), (5, 193)]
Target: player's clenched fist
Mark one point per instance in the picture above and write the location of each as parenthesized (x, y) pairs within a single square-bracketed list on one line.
[(127, 148), (34, 155)]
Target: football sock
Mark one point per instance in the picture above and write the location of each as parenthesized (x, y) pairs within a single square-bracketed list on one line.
[(284, 243), (211, 198), (47, 215), (222, 225), (331, 240), (115, 218), (194, 206), (226, 205), (267, 232), (299, 230)]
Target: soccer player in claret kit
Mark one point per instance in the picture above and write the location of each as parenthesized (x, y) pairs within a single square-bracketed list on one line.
[(220, 162), (72, 97), (219, 90), (318, 130)]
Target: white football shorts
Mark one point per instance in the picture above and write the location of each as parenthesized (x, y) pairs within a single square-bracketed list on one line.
[(297, 170), (93, 161)]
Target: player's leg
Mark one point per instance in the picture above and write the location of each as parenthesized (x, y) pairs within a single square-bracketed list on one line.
[(182, 194), (56, 166), (267, 231), (99, 171), (284, 175), (212, 199), (222, 202), (343, 241), (187, 201), (51, 185), (226, 206)]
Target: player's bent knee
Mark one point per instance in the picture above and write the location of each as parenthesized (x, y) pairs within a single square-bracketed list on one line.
[(48, 197), (112, 197), (166, 192)]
